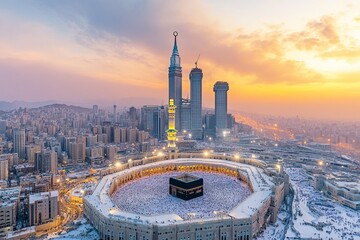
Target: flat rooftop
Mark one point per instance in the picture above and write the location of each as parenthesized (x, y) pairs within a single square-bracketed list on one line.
[(42, 196), (9, 196), (352, 186), (186, 178)]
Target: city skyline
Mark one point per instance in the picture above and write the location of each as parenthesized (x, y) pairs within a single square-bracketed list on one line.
[(303, 62)]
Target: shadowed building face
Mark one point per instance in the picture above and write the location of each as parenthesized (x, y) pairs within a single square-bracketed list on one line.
[(220, 89)]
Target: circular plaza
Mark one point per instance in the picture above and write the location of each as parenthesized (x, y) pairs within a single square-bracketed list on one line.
[(149, 196), (227, 198)]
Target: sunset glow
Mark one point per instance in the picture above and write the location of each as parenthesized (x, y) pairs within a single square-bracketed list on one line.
[(279, 57)]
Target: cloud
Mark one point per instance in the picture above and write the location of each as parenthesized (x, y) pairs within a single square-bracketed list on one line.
[(122, 32), (141, 32), (317, 35), (126, 39), (39, 81), (349, 54)]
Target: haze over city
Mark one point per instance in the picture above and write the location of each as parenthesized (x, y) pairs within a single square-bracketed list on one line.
[(280, 57), (179, 120)]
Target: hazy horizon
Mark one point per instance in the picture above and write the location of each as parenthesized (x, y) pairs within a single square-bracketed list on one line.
[(299, 58)]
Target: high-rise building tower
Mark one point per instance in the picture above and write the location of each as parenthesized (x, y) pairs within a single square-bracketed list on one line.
[(171, 132), (196, 76), (220, 89), (114, 115), (95, 109), (4, 169), (153, 120), (46, 161), (19, 142), (175, 81), (2, 126), (185, 116)]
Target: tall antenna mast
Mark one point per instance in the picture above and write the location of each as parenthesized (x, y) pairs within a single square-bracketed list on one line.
[(197, 61)]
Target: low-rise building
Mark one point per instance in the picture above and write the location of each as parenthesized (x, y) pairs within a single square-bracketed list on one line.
[(43, 207), (9, 200)]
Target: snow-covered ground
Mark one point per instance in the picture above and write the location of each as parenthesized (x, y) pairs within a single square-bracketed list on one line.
[(150, 196), (275, 231), (314, 216), (83, 189), (82, 231)]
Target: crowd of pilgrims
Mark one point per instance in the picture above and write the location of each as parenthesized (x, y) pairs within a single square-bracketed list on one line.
[(150, 196)]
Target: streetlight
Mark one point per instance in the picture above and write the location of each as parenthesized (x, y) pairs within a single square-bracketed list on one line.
[(117, 164), (129, 163), (219, 214), (237, 156), (206, 153), (278, 167)]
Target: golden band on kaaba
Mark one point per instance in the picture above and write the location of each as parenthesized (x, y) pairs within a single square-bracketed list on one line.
[(186, 186)]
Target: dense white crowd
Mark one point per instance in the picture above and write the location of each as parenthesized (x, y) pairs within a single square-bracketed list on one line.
[(314, 210), (150, 196)]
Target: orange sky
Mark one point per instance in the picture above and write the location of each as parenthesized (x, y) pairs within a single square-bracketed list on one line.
[(280, 57)]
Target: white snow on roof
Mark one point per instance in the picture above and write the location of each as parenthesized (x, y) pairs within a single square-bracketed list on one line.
[(250, 205), (42, 196)]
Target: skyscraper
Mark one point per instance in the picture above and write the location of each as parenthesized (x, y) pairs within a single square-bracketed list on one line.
[(95, 109), (4, 169), (153, 120), (185, 115), (220, 89), (175, 81), (46, 161), (3, 126), (114, 114), (19, 142), (77, 151), (196, 76)]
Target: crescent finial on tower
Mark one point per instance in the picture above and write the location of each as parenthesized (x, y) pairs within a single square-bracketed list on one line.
[(175, 50)]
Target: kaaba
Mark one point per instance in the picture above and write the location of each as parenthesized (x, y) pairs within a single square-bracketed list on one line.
[(186, 186)]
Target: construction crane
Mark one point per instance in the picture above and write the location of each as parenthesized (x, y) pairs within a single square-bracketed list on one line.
[(197, 61)]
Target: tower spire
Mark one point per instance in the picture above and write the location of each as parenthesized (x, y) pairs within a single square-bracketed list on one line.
[(175, 57), (175, 49)]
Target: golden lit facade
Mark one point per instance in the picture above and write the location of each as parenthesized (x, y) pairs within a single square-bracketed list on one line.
[(171, 132)]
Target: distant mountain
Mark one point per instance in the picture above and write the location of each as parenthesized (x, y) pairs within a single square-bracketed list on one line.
[(60, 105), (8, 106)]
